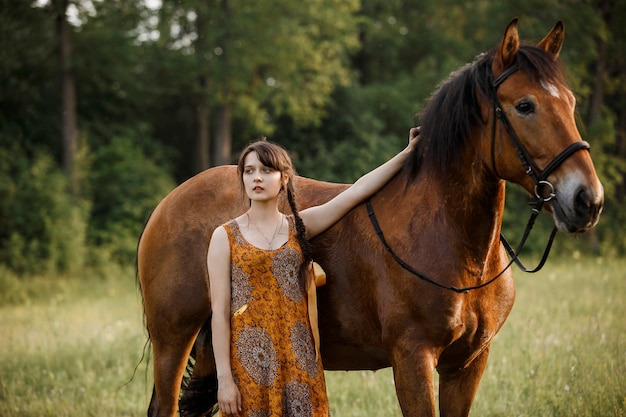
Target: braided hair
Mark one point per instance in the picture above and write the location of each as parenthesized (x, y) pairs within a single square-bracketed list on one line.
[(276, 157)]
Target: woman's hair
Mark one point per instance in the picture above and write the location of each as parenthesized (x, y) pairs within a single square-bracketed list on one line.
[(276, 157)]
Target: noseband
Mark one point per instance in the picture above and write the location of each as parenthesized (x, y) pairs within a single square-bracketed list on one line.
[(539, 177)]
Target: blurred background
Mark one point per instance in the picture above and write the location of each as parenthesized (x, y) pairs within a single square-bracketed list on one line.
[(105, 106)]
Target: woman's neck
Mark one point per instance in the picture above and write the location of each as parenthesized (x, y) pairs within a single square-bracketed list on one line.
[(264, 227), (264, 214)]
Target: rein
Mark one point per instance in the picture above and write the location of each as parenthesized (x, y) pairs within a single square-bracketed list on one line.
[(407, 267), (538, 176)]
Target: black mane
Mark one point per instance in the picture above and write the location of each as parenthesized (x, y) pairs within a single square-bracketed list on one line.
[(453, 111)]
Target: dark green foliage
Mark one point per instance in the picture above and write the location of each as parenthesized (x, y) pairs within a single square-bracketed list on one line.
[(125, 186), (29, 77), (354, 138), (337, 82), (42, 228)]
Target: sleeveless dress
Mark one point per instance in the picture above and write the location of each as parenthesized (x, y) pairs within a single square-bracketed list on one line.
[(272, 352)]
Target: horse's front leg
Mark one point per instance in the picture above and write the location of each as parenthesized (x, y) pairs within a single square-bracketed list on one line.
[(413, 372), (457, 387)]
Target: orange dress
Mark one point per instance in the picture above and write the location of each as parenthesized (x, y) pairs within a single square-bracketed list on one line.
[(272, 352)]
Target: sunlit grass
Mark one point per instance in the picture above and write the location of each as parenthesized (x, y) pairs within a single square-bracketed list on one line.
[(362, 393), (562, 352), (71, 354)]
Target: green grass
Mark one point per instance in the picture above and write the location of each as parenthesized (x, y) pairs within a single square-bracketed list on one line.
[(69, 352), (68, 347), (562, 352)]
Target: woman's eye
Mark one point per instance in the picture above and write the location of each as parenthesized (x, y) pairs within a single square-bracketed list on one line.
[(525, 107)]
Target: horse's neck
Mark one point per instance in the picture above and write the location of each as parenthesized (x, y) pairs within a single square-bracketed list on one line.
[(465, 209)]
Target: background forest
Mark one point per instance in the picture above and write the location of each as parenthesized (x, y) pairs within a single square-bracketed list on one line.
[(106, 105)]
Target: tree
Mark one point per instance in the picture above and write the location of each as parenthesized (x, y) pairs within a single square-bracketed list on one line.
[(69, 130), (337, 82), (203, 110), (29, 89), (260, 60)]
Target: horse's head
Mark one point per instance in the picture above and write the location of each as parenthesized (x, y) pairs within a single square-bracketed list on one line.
[(516, 103), (533, 138)]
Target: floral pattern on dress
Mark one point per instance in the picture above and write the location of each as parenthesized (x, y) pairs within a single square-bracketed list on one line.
[(258, 355), (285, 268), (297, 400), (260, 413), (304, 348), (241, 290)]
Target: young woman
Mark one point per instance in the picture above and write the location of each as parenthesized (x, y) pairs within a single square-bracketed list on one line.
[(264, 349)]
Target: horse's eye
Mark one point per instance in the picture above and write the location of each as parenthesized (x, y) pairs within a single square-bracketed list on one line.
[(525, 107)]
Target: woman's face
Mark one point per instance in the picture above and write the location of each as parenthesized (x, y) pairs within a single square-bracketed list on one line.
[(261, 183)]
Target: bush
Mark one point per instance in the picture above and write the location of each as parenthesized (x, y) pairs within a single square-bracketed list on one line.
[(125, 186), (42, 227)]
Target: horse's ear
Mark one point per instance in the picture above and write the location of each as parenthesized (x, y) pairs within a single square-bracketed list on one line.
[(507, 50), (554, 40)]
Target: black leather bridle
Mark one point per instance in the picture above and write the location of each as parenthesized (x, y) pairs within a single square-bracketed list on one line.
[(539, 177)]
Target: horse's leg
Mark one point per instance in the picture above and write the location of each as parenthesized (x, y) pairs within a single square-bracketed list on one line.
[(174, 318), (171, 353), (413, 372), (174, 283), (458, 387), (170, 360)]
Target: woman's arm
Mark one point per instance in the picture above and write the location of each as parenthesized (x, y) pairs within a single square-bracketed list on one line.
[(319, 218), (218, 262)]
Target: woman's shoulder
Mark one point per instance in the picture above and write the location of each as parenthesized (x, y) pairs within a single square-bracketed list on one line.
[(230, 231), (220, 233), (233, 224), (219, 244), (225, 230)]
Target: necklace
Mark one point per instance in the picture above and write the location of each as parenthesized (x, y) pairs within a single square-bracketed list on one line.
[(276, 229)]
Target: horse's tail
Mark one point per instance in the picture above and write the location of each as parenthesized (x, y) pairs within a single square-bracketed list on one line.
[(146, 347), (199, 394), (146, 354), (137, 280), (199, 398)]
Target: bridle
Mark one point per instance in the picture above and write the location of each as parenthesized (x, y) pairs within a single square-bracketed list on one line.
[(539, 177)]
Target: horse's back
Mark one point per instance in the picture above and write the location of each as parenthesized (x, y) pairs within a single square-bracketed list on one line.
[(175, 239)]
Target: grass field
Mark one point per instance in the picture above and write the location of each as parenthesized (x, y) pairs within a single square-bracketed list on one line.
[(68, 347)]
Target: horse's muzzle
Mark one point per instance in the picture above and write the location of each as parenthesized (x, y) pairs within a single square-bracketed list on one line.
[(583, 211)]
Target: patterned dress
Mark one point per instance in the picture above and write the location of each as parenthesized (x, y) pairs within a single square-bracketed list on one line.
[(273, 357)]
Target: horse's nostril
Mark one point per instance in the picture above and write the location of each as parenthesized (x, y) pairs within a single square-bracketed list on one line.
[(581, 202), (585, 205)]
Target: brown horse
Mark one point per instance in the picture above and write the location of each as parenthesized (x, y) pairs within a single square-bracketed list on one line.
[(497, 119)]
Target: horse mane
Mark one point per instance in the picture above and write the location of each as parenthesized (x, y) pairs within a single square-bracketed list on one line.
[(453, 110)]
